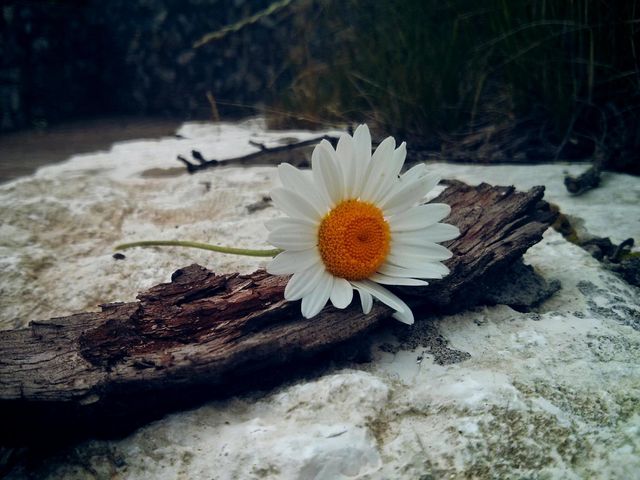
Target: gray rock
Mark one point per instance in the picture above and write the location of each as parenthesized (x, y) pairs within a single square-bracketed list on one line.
[(521, 288), (487, 393)]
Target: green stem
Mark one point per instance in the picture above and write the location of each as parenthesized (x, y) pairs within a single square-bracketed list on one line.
[(203, 246)]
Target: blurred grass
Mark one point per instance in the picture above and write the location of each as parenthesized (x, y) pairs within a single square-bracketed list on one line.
[(428, 69)]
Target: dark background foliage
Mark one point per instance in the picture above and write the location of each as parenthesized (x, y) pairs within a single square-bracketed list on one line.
[(66, 59), (500, 80)]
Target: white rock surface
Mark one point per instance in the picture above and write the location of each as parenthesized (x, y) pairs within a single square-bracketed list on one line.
[(548, 394)]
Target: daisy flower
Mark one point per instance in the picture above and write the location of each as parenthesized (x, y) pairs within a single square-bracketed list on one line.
[(355, 223)]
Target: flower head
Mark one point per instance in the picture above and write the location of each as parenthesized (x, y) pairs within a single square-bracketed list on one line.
[(355, 223)]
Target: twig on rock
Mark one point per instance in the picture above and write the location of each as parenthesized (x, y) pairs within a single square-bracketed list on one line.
[(618, 258), (583, 182), (590, 179), (265, 155)]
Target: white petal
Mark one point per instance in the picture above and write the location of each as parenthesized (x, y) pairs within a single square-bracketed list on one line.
[(315, 178), (413, 173), (362, 157), (304, 282), (274, 223), (387, 280), (290, 262), (302, 183), (409, 195), (418, 217), (405, 316), (326, 173), (293, 237), (439, 232), (344, 149), (403, 312), (345, 154), (432, 180), (381, 170), (413, 262), (315, 301), (290, 177), (294, 204), (327, 144), (381, 293), (400, 154), (366, 300), (429, 251), (425, 270), (342, 293), (392, 180)]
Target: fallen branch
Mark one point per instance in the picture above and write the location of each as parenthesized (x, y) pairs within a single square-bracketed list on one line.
[(618, 258), (266, 155), (205, 335), (589, 179), (584, 182)]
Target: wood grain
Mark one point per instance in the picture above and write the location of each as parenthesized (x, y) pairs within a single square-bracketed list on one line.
[(206, 336)]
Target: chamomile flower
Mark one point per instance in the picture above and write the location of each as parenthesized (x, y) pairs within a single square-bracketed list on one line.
[(355, 223)]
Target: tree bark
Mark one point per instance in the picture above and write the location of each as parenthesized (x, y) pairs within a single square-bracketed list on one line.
[(206, 336)]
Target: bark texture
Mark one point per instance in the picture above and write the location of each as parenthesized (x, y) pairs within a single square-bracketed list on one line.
[(205, 335)]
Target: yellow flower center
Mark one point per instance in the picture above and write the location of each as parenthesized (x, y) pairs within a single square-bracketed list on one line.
[(354, 240)]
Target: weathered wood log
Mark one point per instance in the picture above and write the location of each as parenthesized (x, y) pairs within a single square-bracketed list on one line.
[(205, 335)]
